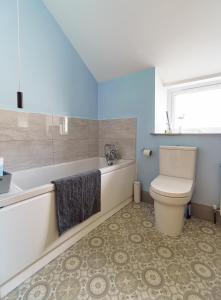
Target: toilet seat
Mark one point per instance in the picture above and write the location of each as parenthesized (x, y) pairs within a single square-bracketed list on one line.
[(172, 187), (170, 195)]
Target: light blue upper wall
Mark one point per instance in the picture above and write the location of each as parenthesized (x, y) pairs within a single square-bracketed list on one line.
[(133, 96), (54, 78)]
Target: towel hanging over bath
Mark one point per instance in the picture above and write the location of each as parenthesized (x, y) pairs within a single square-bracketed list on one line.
[(77, 198)]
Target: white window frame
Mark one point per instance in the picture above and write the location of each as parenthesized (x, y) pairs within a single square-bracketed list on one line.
[(187, 88)]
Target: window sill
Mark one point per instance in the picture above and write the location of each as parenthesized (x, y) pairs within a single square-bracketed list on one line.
[(180, 134)]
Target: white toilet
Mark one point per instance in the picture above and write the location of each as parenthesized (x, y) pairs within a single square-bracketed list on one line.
[(173, 188)]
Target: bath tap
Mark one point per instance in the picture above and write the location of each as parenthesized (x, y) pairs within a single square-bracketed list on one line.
[(111, 153)]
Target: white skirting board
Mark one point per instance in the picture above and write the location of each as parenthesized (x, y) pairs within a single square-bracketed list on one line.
[(43, 261)]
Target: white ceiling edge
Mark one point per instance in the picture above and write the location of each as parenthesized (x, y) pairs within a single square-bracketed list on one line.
[(206, 78), (181, 38)]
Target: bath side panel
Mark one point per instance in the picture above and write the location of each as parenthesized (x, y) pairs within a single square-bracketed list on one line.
[(117, 186), (27, 229)]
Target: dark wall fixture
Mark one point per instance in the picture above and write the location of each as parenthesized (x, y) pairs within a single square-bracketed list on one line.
[(19, 93), (19, 100)]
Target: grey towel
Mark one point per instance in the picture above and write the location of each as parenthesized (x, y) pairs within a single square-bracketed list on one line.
[(77, 198)]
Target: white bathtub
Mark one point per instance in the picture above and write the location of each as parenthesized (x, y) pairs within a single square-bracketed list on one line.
[(28, 230)]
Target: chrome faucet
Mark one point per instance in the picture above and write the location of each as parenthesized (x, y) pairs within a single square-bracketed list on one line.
[(111, 153)]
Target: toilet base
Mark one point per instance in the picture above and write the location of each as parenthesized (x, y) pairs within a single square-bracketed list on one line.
[(169, 219)]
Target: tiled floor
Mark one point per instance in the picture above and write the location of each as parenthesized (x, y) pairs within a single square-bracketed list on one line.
[(126, 258)]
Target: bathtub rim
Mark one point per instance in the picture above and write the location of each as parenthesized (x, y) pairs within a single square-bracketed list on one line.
[(14, 198)]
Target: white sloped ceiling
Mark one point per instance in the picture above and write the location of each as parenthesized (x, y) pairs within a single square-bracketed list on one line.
[(182, 38)]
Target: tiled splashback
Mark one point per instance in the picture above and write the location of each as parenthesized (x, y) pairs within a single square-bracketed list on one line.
[(25, 139), (74, 138), (121, 132), (31, 140)]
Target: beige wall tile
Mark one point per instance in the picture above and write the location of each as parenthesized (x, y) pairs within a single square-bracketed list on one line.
[(20, 155), (65, 128), (92, 148), (117, 129), (24, 126), (93, 129), (121, 132), (70, 150), (127, 147), (30, 140)]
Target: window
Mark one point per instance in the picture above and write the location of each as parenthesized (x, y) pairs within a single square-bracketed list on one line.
[(195, 108)]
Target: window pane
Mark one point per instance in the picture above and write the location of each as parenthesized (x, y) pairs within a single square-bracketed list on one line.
[(198, 110)]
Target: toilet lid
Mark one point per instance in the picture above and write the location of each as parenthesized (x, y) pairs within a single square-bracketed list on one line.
[(172, 186)]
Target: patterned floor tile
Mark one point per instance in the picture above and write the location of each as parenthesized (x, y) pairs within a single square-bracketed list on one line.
[(126, 258)]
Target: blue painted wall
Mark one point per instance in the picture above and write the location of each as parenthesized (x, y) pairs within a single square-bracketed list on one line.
[(133, 96), (54, 78)]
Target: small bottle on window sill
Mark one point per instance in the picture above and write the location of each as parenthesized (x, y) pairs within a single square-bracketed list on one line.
[(168, 131)]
